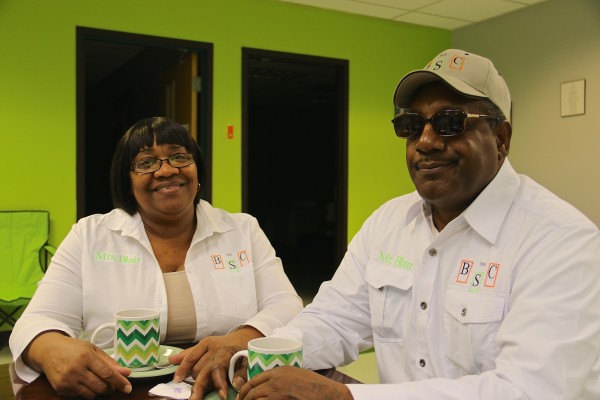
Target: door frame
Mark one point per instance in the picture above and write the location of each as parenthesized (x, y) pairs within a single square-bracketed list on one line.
[(342, 68), (205, 111)]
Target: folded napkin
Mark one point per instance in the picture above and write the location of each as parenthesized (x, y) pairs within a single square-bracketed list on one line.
[(172, 390)]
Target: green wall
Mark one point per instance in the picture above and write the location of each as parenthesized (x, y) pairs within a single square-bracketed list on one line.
[(37, 88)]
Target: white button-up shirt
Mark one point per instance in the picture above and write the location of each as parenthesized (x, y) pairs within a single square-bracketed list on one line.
[(106, 264), (502, 304)]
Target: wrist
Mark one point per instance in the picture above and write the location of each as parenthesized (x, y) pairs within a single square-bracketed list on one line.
[(244, 334)]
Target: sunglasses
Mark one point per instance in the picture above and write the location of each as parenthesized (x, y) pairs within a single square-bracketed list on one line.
[(444, 123)]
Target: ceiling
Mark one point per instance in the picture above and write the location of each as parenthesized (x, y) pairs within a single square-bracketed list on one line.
[(446, 14)]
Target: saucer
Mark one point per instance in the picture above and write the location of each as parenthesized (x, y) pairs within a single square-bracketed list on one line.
[(165, 352)]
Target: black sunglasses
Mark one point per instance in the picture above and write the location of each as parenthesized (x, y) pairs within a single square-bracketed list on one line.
[(444, 123)]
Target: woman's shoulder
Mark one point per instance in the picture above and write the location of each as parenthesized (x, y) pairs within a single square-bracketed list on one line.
[(220, 215), (114, 219)]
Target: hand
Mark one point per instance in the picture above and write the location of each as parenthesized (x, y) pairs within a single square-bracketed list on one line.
[(208, 361), (292, 383), (75, 367)]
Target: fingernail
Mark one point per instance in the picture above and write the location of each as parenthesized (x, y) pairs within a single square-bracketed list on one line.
[(222, 394), (176, 379), (127, 389), (238, 382)]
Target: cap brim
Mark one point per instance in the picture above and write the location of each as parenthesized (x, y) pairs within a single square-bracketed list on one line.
[(414, 80)]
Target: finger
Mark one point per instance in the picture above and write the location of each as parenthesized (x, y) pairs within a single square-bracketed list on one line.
[(107, 372), (240, 375), (203, 383), (219, 378), (84, 384), (187, 361), (118, 367)]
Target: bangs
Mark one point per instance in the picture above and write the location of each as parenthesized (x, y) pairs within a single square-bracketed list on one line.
[(162, 131)]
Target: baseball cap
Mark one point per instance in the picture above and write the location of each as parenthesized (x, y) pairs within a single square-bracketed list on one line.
[(467, 73)]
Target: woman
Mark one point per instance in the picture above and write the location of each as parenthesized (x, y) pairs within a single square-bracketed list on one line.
[(213, 275)]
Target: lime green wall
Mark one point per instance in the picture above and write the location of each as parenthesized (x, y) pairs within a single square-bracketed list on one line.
[(37, 88)]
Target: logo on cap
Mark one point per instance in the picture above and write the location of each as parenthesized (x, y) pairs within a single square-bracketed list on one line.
[(457, 62)]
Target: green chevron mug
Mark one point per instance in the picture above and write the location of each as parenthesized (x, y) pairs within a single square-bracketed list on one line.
[(136, 339), (266, 353)]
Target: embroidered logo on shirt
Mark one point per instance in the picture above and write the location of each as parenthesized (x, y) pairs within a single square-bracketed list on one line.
[(483, 274), (120, 258), (397, 261), (230, 262)]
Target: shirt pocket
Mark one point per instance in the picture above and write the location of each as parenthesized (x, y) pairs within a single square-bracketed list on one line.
[(390, 292), (236, 292), (471, 323)]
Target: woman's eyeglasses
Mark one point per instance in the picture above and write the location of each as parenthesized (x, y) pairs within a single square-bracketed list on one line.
[(150, 164), (444, 123)]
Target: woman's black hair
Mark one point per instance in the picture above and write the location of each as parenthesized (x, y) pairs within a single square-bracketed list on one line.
[(141, 135)]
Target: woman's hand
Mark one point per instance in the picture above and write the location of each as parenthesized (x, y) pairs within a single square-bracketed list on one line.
[(208, 361), (75, 367), (292, 383)]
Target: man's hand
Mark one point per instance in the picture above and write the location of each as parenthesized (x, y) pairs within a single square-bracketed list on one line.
[(208, 361), (291, 383), (75, 367)]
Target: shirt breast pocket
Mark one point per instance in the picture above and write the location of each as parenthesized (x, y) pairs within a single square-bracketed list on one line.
[(471, 323), (390, 292), (236, 291)]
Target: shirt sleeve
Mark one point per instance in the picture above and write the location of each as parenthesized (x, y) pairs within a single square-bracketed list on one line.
[(277, 300), (336, 326)]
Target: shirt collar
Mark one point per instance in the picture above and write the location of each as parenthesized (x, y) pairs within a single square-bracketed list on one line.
[(210, 221), (488, 211)]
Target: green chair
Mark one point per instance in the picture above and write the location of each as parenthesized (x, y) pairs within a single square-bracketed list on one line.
[(24, 257)]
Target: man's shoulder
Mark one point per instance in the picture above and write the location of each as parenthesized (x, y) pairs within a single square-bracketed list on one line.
[(399, 208), (537, 201)]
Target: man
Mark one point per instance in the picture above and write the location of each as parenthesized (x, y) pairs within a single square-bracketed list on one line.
[(480, 285)]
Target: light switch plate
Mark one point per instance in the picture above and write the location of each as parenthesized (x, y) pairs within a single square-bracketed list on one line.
[(572, 98)]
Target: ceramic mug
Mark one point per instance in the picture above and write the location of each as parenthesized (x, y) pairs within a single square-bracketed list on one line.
[(266, 353), (136, 339)]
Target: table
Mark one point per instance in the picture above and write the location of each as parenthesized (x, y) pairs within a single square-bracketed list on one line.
[(41, 389)]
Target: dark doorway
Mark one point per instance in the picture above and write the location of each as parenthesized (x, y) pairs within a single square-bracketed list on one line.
[(294, 157), (122, 78)]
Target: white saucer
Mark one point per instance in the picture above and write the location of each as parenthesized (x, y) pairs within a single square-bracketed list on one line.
[(165, 352)]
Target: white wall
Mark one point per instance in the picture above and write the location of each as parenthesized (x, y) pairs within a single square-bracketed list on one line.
[(536, 49)]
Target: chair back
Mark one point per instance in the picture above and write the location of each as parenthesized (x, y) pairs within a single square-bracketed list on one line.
[(23, 238)]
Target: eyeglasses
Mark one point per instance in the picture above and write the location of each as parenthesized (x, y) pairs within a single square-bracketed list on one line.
[(150, 164), (444, 123)]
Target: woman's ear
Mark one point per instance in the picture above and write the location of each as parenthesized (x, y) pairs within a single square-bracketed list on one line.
[(503, 135)]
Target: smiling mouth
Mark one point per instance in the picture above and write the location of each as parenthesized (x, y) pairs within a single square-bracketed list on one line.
[(433, 165), (168, 187)]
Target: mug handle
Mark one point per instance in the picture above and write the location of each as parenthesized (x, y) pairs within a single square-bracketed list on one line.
[(233, 361), (98, 330)]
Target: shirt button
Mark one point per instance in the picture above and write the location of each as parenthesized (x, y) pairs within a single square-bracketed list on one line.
[(432, 252), (381, 289), (422, 363), (463, 312), (423, 305)]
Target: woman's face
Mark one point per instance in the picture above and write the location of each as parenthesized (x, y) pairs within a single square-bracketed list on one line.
[(168, 192)]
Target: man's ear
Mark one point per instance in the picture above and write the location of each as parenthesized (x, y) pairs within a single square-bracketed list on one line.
[(503, 135)]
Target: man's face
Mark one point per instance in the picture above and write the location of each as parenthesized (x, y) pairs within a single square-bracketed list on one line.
[(450, 172)]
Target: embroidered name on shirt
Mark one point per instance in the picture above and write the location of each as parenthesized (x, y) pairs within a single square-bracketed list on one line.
[(120, 258), (229, 261), (485, 274), (397, 261)]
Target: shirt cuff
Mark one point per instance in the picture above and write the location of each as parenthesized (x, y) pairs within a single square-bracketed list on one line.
[(380, 392)]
